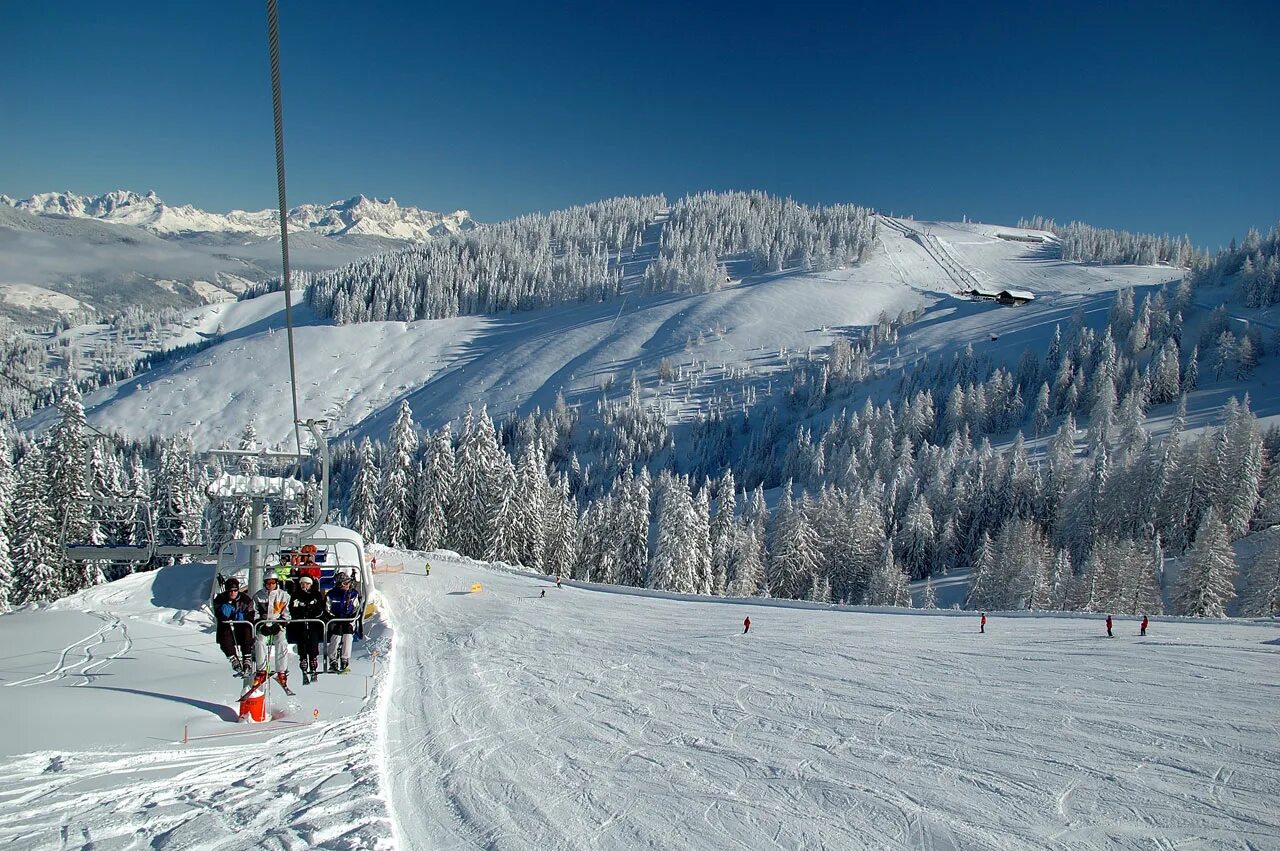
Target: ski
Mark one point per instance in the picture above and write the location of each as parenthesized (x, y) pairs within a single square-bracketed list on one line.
[(287, 690), (257, 683)]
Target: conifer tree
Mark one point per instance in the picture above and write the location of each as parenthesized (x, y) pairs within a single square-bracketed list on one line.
[(362, 509), (1206, 584), (395, 518), (35, 566), (672, 566), (930, 595), (633, 531), (1262, 593), (434, 492)]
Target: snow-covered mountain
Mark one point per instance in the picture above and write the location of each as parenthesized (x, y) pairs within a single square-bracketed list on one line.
[(355, 216), (63, 254)]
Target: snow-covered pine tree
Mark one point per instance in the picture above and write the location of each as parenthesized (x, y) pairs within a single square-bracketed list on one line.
[(700, 543), (633, 529), (1262, 592), (672, 565), (722, 534), (530, 504), (395, 509), (888, 584), (362, 508), (1206, 585), (68, 494), (32, 548), (434, 491), (982, 576), (930, 600), (178, 499), (793, 549), (916, 539)]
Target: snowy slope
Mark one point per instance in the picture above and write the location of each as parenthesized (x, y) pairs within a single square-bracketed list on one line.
[(97, 690), (357, 374), (602, 720), (609, 720)]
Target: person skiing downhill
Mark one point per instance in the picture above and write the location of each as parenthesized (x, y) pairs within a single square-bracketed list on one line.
[(272, 604), (307, 606), (234, 613), (746, 625), (1109, 635), (344, 602), (1142, 628), (982, 624), (557, 580), (543, 594)]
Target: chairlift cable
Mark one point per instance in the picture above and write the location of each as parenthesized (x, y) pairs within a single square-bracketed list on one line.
[(273, 42)]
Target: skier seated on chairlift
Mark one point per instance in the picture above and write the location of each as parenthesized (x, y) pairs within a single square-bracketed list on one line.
[(309, 566), (272, 604), (344, 607), (233, 611), (308, 608)]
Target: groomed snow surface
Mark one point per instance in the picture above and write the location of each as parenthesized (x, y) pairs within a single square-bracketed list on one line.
[(599, 720), (596, 720)]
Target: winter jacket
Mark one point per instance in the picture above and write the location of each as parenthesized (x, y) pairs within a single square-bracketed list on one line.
[(303, 605), (271, 606), (312, 570), (344, 602), (227, 610)]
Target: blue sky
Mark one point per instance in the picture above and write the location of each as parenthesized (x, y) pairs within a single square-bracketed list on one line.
[(1154, 117)]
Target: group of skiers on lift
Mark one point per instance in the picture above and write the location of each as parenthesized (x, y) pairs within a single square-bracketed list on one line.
[(291, 608)]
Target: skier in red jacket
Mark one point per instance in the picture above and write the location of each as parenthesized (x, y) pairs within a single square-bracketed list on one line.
[(982, 624), (1142, 630), (746, 625), (1109, 635)]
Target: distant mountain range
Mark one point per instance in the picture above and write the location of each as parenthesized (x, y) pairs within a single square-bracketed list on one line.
[(90, 255), (356, 216)]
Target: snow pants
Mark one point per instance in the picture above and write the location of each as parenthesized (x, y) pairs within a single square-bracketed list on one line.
[(274, 643), (235, 638), (340, 640)]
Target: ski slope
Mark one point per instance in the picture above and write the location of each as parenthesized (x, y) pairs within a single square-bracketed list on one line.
[(597, 719), (603, 720), (97, 692), (356, 375)]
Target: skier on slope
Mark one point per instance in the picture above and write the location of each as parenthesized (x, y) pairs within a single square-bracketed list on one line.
[(982, 624), (344, 602), (272, 604), (307, 608), (1142, 629), (557, 580), (746, 625), (234, 613), (1109, 635), (543, 594)]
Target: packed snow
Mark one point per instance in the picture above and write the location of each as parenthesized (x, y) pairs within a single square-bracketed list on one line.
[(617, 718), (611, 720), (98, 691)]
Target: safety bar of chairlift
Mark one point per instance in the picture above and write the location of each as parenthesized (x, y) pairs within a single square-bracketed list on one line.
[(108, 552), (354, 620)]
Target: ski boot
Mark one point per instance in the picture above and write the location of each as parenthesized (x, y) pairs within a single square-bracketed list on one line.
[(282, 677), (236, 667), (345, 666)]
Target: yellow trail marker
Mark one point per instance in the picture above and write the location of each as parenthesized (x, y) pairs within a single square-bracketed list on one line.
[(477, 588)]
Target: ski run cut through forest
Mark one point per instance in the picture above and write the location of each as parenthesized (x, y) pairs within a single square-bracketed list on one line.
[(749, 524)]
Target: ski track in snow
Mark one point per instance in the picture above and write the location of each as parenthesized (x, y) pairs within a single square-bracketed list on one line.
[(588, 720), (290, 784), (313, 787)]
